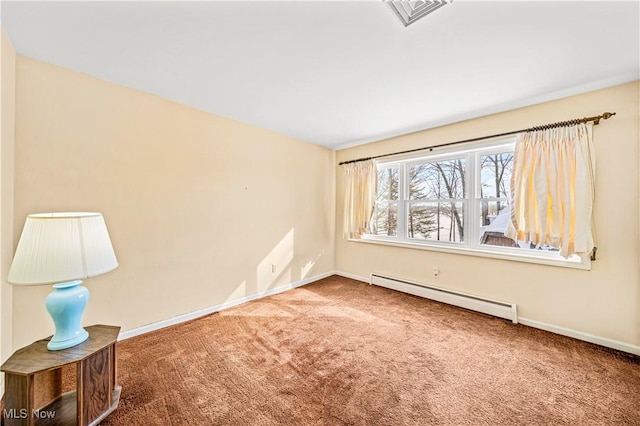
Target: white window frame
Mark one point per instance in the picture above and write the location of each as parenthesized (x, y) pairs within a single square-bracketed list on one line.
[(471, 244)]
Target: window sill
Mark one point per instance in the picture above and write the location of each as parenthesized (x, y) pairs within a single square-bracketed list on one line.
[(583, 264)]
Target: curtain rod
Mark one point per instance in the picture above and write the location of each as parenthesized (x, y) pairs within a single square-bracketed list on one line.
[(596, 120)]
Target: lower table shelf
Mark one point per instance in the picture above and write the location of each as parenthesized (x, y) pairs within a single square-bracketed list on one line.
[(64, 412)]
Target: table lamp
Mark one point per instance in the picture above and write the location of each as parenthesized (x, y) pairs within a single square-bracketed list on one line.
[(63, 249)]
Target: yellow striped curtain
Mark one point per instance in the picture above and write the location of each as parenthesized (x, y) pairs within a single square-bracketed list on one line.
[(361, 181), (552, 189)]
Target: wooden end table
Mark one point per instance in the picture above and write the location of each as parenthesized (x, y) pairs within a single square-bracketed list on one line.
[(33, 382)]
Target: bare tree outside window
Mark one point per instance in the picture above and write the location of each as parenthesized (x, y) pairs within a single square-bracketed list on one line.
[(436, 200), (495, 184), (495, 190), (385, 215)]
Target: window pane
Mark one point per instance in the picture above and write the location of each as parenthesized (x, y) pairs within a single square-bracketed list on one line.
[(387, 184), (490, 210), (494, 218), (437, 180), (496, 175), (436, 221), (385, 219)]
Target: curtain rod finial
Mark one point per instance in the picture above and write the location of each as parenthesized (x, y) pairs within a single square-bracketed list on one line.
[(604, 116)]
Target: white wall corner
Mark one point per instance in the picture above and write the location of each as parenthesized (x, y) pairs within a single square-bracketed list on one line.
[(7, 171), (353, 277)]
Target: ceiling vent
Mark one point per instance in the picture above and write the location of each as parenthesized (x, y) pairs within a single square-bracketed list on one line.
[(409, 11)]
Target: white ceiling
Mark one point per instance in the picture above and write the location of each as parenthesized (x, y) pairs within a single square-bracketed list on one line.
[(338, 73)]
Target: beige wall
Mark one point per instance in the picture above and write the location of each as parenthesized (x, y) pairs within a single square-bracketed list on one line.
[(7, 142), (198, 206), (604, 301)]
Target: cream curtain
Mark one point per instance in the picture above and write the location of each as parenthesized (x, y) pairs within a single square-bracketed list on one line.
[(552, 189), (361, 181)]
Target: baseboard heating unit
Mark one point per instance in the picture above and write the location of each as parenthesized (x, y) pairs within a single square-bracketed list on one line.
[(479, 304)]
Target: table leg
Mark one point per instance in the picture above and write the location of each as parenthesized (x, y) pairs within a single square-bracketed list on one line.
[(18, 404), (94, 393)]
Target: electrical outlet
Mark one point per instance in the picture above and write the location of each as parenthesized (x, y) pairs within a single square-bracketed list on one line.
[(436, 273), (273, 268)]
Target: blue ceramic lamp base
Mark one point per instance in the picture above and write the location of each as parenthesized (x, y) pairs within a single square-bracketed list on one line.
[(66, 305)]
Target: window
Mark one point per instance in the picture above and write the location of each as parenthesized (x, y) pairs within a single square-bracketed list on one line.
[(455, 201)]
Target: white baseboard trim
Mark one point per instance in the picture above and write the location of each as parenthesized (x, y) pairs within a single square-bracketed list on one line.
[(602, 341), (353, 277), (211, 309)]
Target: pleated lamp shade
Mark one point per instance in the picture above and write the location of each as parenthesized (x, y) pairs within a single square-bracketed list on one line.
[(59, 247)]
